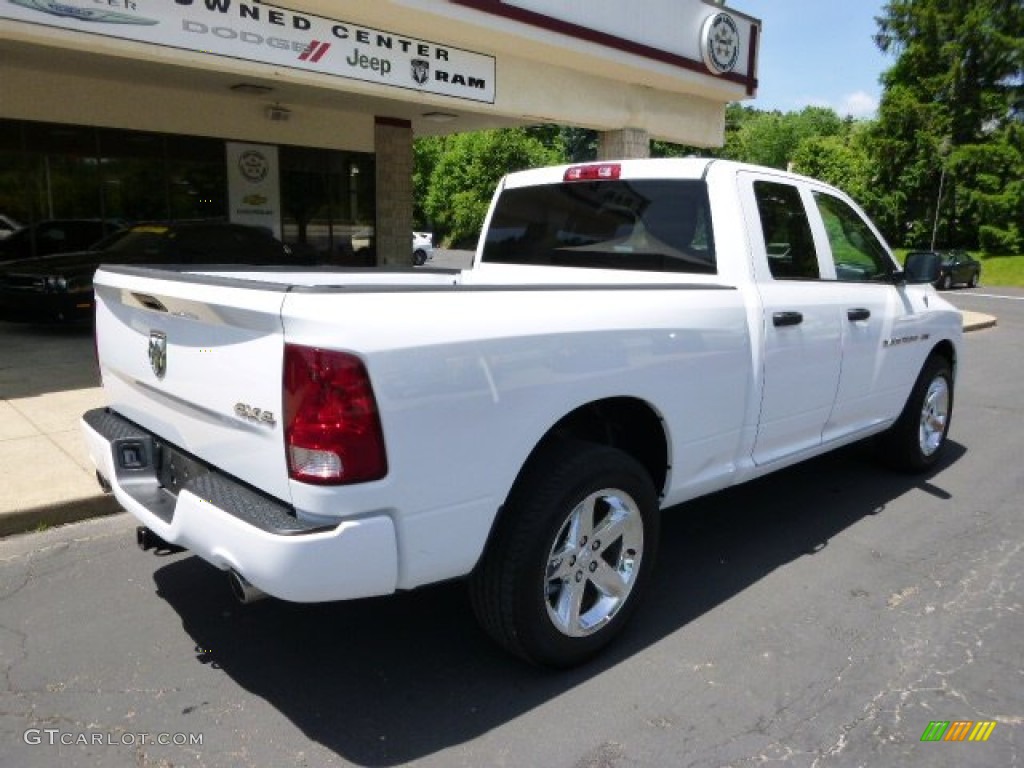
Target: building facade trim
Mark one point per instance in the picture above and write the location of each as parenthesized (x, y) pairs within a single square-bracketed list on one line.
[(551, 24)]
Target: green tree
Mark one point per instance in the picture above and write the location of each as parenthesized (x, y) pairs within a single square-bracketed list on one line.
[(573, 145), (843, 161), (995, 199), (465, 175), (950, 117), (772, 138), (427, 153), (763, 138)]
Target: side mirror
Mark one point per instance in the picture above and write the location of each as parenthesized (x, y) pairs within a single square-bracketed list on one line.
[(921, 268)]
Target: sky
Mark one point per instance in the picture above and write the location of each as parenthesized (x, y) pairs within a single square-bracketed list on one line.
[(818, 53)]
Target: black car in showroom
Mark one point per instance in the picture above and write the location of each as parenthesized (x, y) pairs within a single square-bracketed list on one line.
[(956, 268), (58, 288), (55, 236)]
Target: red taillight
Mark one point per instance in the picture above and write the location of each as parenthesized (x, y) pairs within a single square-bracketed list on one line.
[(332, 429), (598, 172)]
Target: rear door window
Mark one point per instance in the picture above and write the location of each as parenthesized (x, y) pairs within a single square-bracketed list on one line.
[(787, 232)]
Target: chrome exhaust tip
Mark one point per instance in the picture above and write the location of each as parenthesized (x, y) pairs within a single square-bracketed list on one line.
[(243, 591)]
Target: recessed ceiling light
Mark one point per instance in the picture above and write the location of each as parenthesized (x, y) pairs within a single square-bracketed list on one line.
[(439, 117)]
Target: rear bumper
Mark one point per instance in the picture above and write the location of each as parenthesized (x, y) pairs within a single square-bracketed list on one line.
[(237, 528)]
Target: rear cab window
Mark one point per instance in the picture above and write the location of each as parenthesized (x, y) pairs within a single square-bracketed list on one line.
[(654, 225)]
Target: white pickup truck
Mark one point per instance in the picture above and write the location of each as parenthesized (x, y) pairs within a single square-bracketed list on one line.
[(631, 335)]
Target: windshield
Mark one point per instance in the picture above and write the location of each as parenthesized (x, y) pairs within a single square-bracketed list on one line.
[(648, 224)]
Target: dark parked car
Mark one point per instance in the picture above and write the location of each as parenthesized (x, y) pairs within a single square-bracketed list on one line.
[(55, 236), (957, 268), (59, 287)]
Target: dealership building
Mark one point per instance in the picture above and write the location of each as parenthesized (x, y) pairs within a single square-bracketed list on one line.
[(301, 118)]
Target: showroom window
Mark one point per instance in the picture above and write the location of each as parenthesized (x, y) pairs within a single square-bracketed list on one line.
[(328, 203), (53, 171)]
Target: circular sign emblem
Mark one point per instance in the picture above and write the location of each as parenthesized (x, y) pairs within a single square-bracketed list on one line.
[(253, 165), (720, 43)]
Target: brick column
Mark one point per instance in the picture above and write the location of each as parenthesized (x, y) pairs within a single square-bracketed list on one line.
[(393, 145), (629, 143)]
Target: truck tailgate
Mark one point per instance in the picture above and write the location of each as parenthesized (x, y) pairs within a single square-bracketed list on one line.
[(198, 363)]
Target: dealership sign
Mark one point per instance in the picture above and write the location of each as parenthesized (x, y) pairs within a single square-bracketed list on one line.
[(254, 186), (269, 34)]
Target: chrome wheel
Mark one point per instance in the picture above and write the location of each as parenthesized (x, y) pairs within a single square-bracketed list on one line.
[(571, 554), (916, 440), (594, 562), (934, 416)]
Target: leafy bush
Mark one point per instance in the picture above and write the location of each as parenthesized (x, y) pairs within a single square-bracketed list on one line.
[(996, 240)]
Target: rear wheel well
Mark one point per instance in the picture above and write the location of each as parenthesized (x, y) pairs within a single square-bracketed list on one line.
[(625, 423)]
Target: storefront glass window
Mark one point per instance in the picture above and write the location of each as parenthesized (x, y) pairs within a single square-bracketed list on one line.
[(132, 175), (197, 178), (50, 171), (64, 171), (15, 180), (327, 201)]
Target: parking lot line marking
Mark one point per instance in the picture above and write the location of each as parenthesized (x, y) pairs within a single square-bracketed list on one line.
[(994, 296)]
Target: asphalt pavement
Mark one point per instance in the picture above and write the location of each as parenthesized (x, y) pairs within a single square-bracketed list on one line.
[(827, 615)]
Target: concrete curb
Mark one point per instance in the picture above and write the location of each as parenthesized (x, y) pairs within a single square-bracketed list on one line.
[(74, 510), (976, 321)]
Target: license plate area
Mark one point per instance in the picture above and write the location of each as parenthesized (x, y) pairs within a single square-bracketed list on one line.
[(175, 469)]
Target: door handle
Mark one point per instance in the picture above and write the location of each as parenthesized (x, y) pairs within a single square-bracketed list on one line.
[(780, 319), (853, 315)]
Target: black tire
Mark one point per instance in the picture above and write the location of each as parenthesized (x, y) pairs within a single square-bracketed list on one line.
[(946, 283), (419, 258), (915, 442), (973, 283), (526, 606)]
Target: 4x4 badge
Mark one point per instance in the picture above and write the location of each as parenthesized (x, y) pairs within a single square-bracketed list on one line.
[(158, 353)]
